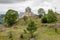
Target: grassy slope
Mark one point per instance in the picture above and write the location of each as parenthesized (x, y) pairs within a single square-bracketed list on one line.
[(43, 32)]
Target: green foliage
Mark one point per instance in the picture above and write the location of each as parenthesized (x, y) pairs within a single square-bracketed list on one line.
[(44, 19), (21, 36), (25, 18), (41, 12), (56, 30), (10, 35), (51, 17), (40, 15), (31, 27), (11, 17)]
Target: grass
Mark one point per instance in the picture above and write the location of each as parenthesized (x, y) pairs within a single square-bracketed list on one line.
[(43, 32)]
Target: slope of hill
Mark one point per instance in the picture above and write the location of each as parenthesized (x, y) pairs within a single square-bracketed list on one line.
[(44, 32), (1, 18)]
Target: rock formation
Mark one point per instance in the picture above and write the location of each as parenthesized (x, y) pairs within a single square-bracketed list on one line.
[(28, 12)]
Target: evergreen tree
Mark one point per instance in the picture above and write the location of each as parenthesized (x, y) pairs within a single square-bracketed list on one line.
[(31, 28)]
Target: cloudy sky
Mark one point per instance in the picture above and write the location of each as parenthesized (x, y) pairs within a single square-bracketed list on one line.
[(20, 5)]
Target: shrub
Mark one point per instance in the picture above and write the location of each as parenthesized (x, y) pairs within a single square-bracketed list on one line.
[(56, 30), (44, 19), (25, 19), (21, 36), (10, 35), (40, 15)]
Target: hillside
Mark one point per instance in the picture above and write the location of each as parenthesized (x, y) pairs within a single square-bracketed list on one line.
[(44, 31), (1, 18)]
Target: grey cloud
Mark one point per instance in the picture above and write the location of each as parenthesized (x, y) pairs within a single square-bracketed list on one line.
[(39, 2), (10, 1)]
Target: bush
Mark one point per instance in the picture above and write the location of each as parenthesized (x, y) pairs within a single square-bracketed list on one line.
[(44, 19), (40, 15), (10, 35), (21, 36), (11, 17), (25, 19)]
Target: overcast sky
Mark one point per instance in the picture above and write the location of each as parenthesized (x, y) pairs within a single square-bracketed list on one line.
[(20, 5)]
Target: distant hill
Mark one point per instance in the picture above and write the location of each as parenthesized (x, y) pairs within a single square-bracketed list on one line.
[(1, 18)]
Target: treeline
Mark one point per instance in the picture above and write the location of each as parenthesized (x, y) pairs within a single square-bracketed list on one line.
[(12, 16)]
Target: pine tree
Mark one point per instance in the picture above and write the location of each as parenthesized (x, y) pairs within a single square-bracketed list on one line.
[(31, 28)]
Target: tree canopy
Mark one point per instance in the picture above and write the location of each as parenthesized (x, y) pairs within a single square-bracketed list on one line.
[(51, 16), (41, 12), (11, 17)]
